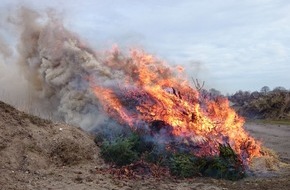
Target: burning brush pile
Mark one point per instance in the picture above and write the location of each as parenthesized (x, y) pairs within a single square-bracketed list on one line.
[(144, 112), (170, 123)]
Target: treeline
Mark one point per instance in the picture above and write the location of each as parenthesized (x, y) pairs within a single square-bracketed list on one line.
[(263, 104)]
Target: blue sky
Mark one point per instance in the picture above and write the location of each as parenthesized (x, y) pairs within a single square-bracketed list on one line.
[(230, 44)]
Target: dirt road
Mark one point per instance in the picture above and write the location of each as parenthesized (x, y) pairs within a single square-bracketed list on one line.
[(276, 137)]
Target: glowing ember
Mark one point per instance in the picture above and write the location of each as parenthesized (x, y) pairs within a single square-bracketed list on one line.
[(151, 91)]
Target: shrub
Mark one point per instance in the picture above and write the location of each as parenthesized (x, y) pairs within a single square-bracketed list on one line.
[(120, 151), (158, 155), (184, 166), (129, 148), (219, 167), (227, 165)]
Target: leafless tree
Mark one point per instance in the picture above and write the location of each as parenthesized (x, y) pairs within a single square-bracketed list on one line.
[(197, 85)]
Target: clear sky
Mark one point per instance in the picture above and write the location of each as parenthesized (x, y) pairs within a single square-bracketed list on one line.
[(230, 44)]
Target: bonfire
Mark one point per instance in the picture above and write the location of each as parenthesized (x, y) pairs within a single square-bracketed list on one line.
[(136, 91), (158, 103)]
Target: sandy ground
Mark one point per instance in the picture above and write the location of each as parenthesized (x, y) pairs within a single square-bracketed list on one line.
[(276, 137), (38, 154)]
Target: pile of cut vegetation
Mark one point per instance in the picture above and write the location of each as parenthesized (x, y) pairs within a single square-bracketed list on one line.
[(131, 154)]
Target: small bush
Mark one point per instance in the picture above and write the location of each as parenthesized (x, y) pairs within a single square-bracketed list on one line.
[(129, 148), (184, 166), (120, 152), (142, 145), (226, 165), (158, 155), (218, 167), (231, 164)]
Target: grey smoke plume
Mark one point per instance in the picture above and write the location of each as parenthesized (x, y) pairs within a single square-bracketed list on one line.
[(4, 48), (57, 66)]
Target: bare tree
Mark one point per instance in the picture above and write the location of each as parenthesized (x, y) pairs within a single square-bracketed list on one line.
[(197, 84)]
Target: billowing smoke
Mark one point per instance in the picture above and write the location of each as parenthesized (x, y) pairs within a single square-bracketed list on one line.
[(59, 71), (57, 68), (4, 49)]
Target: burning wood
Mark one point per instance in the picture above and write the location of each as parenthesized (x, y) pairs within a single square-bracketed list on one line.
[(181, 121)]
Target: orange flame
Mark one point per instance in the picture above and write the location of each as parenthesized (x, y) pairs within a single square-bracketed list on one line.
[(161, 93)]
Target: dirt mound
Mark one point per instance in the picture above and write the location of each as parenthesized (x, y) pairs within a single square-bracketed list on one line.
[(29, 144)]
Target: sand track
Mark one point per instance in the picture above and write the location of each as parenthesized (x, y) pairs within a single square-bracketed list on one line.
[(276, 137)]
